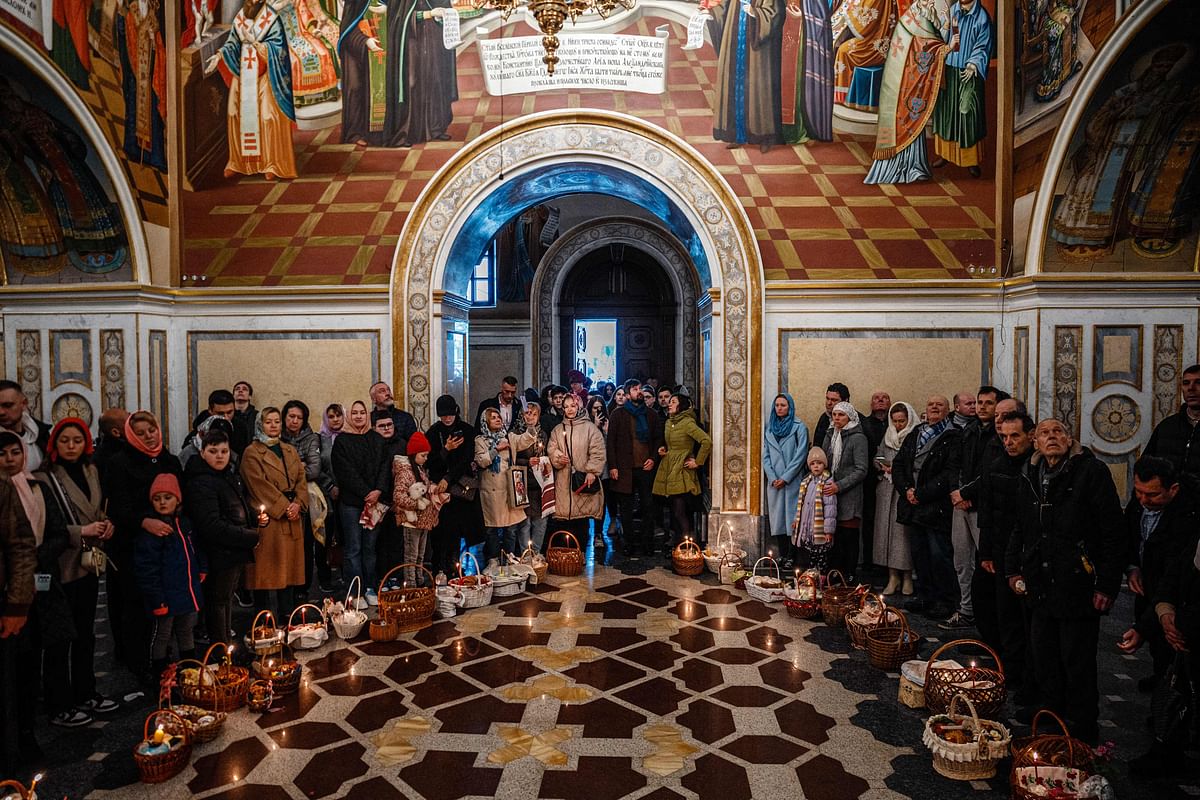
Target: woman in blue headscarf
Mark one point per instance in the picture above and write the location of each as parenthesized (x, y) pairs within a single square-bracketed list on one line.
[(785, 445)]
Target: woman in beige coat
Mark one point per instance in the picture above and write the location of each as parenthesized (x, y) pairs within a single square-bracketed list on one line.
[(274, 478), (576, 445), (494, 453)]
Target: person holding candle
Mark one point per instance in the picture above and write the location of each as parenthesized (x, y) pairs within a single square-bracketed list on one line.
[(815, 522), (225, 527), (74, 485), (298, 433), (494, 455), (415, 519), (170, 572), (274, 476), (533, 530), (576, 449)]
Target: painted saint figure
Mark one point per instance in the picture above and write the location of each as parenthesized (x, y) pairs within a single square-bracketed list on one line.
[(422, 75), (1061, 59), (143, 83), (912, 76), (70, 40), (198, 17), (806, 102), (30, 236), (869, 28), (255, 65), (1163, 207), (746, 34), (314, 78), (959, 117), (362, 32)]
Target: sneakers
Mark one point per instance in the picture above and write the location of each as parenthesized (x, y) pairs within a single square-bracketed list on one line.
[(360, 604), (372, 598), (957, 621), (98, 705), (74, 718)]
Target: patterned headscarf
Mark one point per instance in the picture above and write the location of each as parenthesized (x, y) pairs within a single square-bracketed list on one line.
[(835, 458)]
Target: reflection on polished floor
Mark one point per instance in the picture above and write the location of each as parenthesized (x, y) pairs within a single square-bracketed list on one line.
[(610, 685)]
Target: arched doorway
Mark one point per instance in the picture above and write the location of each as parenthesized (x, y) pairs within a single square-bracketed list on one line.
[(542, 156)]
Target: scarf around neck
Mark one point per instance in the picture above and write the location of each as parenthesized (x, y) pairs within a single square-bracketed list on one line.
[(930, 431), (837, 437), (34, 505), (136, 443), (328, 431), (781, 427), (348, 426), (894, 438), (260, 435), (641, 422), (493, 439)]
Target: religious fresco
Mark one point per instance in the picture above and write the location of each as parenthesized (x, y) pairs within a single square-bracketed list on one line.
[(1128, 196), (59, 222), (785, 98), (113, 54)]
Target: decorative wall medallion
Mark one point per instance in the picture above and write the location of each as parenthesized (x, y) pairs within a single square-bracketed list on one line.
[(72, 405), (1168, 362), (29, 369), (1117, 355), (1116, 418), (112, 369), (1068, 358), (70, 358)]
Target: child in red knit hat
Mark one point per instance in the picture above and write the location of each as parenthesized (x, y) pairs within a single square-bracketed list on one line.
[(170, 571), (416, 502)]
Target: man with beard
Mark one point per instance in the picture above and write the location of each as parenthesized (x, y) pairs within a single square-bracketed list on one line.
[(635, 433), (1177, 438), (381, 397)]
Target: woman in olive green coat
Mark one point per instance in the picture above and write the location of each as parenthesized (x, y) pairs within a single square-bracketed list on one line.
[(687, 448)]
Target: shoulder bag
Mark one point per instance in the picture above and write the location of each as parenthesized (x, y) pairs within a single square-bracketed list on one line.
[(579, 484)]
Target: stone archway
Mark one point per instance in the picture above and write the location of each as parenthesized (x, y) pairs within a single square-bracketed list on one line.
[(576, 243), (424, 307)]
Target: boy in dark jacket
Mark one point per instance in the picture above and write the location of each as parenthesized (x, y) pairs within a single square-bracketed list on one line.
[(170, 572)]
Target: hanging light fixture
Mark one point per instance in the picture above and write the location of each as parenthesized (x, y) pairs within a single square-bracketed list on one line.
[(550, 16)]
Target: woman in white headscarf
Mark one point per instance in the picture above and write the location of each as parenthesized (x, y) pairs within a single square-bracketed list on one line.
[(891, 537), (846, 444)]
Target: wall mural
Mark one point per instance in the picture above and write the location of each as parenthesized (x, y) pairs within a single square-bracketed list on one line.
[(59, 222), (1127, 196), (813, 115), (113, 54)]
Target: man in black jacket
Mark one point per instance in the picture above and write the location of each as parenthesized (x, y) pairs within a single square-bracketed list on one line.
[(874, 425), (1161, 525), (507, 403), (381, 397), (835, 393), (244, 417), (1177, 438), (635, 433), (1065, 556), (15, 418), (924, 472)]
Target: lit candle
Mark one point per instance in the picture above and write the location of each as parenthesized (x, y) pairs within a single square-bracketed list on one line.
[(36, 780), (1035, 762), (973, 675), (159, 735)]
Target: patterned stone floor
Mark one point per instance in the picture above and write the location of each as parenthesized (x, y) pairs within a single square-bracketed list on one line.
[(615, 684)]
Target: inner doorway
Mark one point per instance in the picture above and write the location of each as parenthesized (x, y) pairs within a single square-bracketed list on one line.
[(630, 291)]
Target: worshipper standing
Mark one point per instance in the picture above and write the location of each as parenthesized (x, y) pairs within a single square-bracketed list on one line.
[(891, 542), (785, 445), (18, 563), (815, 521), (274, 478), (244, 416), (874, 425), (74, 484), (382, 399), (506, 402), (495, 450), (362, 477), (331, 425), (111, 438), (1066, 557), (618, 399), (15, 418), (835, 393), (576, 379), (552, 406), (1177, 438), (389, 541), (452, 465), (577, 451), (635, 433), (532, 532), (226, 528), (846, 446), (686, 449), (924, 472), (413, 518), (300, 435), (126, 485)]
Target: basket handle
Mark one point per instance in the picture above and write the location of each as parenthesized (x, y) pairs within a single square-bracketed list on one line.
[(806, 578), (153, 715), (320, 613), (1062, 725), (974, 714), (899, 617), (774, 563), (568, 534), (221, 645), (474, 561), (725, 529), (350, 588), (730, 558), (829, 578), (959, 642), (22, 792), (259, 616), (688, 544)]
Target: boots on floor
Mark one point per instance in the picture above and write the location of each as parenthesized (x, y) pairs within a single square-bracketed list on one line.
[(906, 587), (893, 583)]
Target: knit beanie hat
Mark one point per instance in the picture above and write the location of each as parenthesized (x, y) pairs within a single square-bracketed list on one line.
[(446, 406), (166, 483), (417, 443)]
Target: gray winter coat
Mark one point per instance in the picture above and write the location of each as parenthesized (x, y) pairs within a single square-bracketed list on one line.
[(851, 472)]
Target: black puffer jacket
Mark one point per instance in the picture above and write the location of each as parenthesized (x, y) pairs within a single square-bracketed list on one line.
[(220, 514), (934, 481), (1178, 440), (126, 483), (997, 505), (1068, 541), (979, 446)]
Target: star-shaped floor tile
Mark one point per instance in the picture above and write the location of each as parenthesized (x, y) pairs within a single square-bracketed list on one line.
[(547, 658), (548, 686), (521, 743), (394, 745), (670, 749)]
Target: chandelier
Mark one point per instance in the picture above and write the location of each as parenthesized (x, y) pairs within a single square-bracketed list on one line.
[(550, 16)]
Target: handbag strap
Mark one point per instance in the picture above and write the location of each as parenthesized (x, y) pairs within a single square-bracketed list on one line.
[(60, 497)]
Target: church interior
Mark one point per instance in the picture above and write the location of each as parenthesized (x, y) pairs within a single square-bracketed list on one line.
[(740, 199)]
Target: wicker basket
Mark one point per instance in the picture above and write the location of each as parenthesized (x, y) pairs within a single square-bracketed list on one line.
[(383, 628), (729, 564), (476, 589), (449, 600), (221, 690), (972, 760), (536, 561), (267, 637), (804, 605), (767, 593), (565, 561), (912, 685), (159, 767), (410, 608), (890, 645), (192, 715), (1045, 751), (858, 630), (8, 787), (350, 622), (261, 696), (687, 558), (306, 635), (837, 600), (984, 687), (282, 670), (714, 556)]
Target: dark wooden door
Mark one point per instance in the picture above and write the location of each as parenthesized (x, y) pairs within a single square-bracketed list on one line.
[(629, 286)]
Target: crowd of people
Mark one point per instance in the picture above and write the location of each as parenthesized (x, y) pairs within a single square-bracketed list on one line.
[(983, 518)]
